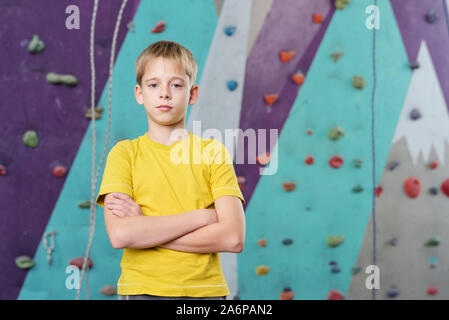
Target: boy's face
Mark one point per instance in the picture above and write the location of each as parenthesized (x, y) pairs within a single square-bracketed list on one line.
[(165, 83)]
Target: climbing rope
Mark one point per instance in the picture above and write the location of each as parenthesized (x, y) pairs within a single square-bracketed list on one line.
[(373, 149), (95, 178)]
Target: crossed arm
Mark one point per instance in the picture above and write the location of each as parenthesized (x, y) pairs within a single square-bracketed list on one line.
[(202, 231)]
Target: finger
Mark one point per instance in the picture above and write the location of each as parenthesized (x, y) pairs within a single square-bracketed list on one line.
[(118, 213)]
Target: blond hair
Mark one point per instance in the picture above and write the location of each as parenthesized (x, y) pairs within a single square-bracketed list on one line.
[(170, 50)]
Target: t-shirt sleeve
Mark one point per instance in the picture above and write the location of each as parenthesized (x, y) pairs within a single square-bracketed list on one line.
[(117, 176), (223, 180)]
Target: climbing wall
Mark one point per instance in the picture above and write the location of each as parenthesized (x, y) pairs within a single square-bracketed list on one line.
[(301, 67)]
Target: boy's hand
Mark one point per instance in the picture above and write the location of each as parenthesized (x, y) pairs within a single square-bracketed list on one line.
[(123, 205)]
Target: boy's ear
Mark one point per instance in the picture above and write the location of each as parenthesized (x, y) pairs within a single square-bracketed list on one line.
[(138, 94), (194, 92)]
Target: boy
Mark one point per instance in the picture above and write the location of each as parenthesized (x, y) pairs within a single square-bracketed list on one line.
[(171, 217)]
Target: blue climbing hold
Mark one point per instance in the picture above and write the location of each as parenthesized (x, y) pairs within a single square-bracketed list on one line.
[(232, 84), (230, 30), (433, 190), (393, 165), (415, 114), (432, 16), (392, 292)]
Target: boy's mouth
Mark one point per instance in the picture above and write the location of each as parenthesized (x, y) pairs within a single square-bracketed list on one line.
[(164, 107)]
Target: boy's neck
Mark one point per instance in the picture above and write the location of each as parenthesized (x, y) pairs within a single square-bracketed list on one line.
[(162, 134)]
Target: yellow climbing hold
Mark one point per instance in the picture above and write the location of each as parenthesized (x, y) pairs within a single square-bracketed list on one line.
[(262, 270)]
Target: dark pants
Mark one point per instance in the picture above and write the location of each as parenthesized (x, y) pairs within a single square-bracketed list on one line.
[(150, 297)]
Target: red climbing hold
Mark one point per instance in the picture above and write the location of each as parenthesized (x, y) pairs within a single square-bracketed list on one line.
[(432, 290), (298, 78), (2, 170), (378, 191), (270, 98), (309, 160), (262, 242), (336, 161), (160, 26), (445, 187), (287, 294), (309, 132), (412, 187), (59, 171), (434, 165), (335, 295), (317, 18), (286, 56), (78, 262)]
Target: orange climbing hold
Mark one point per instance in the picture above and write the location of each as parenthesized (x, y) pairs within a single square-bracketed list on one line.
[(286, 56), (298, 78), (160, 26), (317, 18), (288, 186), (412, 187), (263, 159), (270, 98), (335, 295), (309, 132), (287, 294), (262, 242), (241, 181)]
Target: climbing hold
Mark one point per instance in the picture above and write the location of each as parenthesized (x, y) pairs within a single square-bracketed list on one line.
[(333, 263), (414, 65), (24, 262), (66, 79), (415, 114), (412, 187), (263, 159), (287, 294), (36, 45), (432, 16), (357, 163), (309, 132), (355, 270), (229, 31), (2, 170), (84, 204), (131, 27), (341, 4), (393, 165), (445, 187), (286, 56), (59, 171), (78, 262), (433, 190), (335, 295), (232, 84), (358, 82), (98, 112), (392, 292), (317, 18), (434, 165), (288, 186), (358, 188), (433, 262), (334, 241), (393, 241), (109, 290), (287, 241), (160, 26), (378, 191), (432, 290), (298, 78), (309, 160), (270, 98), (30, 139), (262, 242), (335, 269), (335, 133), (433, 241), (336, 56), (241, 181), (336, 161), (262, 270)]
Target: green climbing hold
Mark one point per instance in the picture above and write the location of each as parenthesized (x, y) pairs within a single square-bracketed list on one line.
[(36, 45), (30, 139), (358, 82), (84, 205), (357, 189), (66, 79), (357, 163), (334, 241), (433, 241), (341, 4), (24, 262), (335, 133), (355, 270)]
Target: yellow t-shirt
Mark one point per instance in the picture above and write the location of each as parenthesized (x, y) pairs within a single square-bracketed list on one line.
[(190, 174)]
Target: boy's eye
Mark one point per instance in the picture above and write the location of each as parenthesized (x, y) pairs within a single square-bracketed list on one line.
[(152, 85), (178, 85)]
